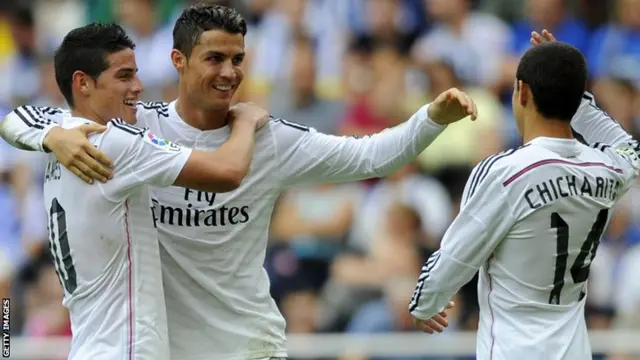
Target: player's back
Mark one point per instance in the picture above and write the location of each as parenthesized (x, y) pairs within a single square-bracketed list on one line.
[(106, 253), (532, 288)]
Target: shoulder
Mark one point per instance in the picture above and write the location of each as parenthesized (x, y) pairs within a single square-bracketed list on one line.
[(119, 136), (151, 110), (287, 131), (494, 169), (279, 124), (39, 116)]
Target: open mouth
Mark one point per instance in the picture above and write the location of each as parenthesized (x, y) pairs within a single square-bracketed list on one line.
[(223, 88), (130, 103)]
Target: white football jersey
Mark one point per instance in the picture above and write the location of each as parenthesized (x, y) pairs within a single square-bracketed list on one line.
[(213, 246), (531, 220), (105, 247)]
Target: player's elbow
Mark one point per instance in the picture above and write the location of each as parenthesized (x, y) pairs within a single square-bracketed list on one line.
[(231, 179), (201, 173)]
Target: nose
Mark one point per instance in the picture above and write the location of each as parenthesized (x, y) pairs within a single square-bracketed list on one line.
[(227, 71), (136, 86)]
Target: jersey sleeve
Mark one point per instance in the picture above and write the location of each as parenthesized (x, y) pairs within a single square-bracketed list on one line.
[(594, 127), (141, 158), (485, 218), (306, 156), (26, 126)]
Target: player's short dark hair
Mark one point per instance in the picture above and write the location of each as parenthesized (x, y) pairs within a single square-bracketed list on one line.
[(557, 75), (86, 49), (199, 18)]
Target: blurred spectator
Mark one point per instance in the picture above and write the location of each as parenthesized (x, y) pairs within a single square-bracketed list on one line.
[(357, 278), (44, 313), (552, 15), (13, 189), (390, 314), (153, 48), (474, 43), (464, 143), (425, 195), (605, 273), (297, 99), (376, 78), (312, 222), (614, 63), (19, 80), (278, 29)]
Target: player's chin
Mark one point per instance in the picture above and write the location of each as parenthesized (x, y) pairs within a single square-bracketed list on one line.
[(220, 102), (129, 115)]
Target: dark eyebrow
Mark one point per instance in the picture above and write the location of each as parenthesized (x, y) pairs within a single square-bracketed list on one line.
[(218, 53), (126, 71)]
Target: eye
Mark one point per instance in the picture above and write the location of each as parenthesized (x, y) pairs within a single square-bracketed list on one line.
[(238, 60), (216, 58)]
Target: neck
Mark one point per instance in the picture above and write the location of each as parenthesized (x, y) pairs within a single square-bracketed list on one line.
[(87, 113), (199, 118), (457, 22), (539, 126)]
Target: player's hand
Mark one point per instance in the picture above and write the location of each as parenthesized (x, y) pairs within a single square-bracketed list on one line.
[(76, 153), (545, 37), (248, 112), (451, 106), (436, 324)]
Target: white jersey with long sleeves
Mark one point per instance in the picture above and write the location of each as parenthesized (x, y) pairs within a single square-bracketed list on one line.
[(213, 246), (531, 220), (105, 246)]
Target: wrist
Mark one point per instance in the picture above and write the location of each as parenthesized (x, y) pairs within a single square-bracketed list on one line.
[(50, 137), (429, 111)]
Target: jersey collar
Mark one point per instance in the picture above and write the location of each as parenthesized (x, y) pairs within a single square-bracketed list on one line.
[(563, 147), (190, 131)]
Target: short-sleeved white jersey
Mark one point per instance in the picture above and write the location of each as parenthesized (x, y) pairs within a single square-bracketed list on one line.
[(530, 220), (213, 246), (105, 247)]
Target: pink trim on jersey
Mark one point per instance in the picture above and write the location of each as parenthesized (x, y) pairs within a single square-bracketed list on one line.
[(130, 295), (490, 309), (558, 161)]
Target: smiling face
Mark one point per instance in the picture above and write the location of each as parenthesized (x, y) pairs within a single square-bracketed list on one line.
[(213, 71), (113, 94)]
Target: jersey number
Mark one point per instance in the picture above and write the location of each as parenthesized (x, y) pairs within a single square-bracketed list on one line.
[(579, 270), (58, 240)]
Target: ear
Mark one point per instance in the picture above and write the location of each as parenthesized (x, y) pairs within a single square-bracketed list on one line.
[(179, 60), (81, 83), (523, 93)]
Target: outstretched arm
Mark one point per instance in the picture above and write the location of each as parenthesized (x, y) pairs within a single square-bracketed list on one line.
[(306, 156)]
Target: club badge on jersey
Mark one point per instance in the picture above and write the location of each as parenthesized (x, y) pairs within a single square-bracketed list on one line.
[(150, 138)]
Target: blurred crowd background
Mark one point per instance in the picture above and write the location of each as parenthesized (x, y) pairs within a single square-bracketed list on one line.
[(345, 257)]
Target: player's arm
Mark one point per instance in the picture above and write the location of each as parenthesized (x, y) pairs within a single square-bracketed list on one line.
[(36, 128), (143, 158), (307, 156), (224, 169), (485, 218), (26, 126), (593, 125)]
